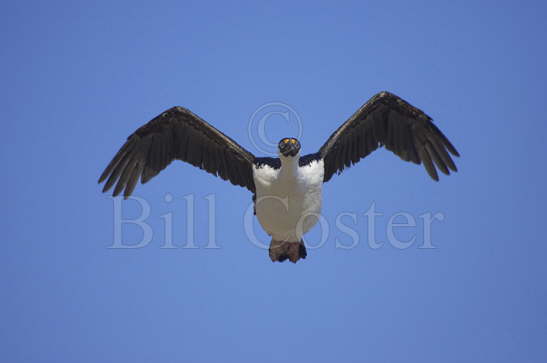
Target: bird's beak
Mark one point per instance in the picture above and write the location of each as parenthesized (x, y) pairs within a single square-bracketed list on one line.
[(288, 149)]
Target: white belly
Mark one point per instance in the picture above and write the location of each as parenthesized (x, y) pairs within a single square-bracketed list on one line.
[(288, 201)]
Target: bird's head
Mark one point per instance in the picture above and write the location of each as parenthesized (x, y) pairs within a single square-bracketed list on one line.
[(289, 146)]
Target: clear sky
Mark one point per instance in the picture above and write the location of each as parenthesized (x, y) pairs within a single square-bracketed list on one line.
[(79, 77)]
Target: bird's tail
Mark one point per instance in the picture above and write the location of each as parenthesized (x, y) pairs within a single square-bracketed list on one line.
[(282, 250)]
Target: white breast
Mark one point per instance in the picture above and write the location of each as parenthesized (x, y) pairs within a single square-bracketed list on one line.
[(288, 199)]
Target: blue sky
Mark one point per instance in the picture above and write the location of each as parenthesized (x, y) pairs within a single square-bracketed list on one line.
[(78, 78)]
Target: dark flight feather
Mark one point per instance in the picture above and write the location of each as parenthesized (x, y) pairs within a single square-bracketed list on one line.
[(387, 120), (177, 134)]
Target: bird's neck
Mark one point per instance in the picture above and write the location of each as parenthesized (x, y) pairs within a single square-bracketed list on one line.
[(289, 164)]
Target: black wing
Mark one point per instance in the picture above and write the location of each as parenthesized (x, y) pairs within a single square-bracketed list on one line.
[(177, 134), (387, 120)]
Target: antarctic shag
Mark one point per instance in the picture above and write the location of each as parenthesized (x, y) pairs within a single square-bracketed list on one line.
[(288, 188)]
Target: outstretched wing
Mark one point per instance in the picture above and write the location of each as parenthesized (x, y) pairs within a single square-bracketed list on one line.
[(177, 134), (387, 120)]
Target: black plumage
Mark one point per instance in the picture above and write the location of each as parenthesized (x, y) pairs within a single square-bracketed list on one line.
[(177, 134), (388, 120)]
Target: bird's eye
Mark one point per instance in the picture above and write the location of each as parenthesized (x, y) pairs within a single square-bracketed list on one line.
[(293, 141), (285, 141)]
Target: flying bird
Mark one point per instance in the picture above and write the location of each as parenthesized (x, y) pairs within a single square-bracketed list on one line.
[(287, 189)]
